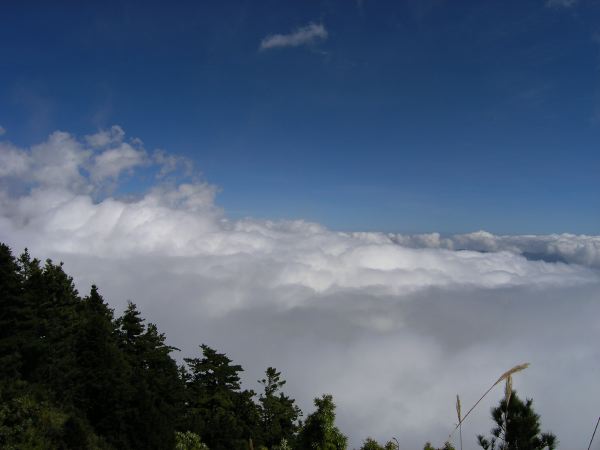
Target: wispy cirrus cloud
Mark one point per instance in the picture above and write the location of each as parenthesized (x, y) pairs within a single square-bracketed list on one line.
[(302, 36)]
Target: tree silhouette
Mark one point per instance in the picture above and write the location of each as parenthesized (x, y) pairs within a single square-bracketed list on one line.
[(319, 432), (517, 428)]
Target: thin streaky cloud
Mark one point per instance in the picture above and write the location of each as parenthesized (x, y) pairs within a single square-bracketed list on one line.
[(302, 36)]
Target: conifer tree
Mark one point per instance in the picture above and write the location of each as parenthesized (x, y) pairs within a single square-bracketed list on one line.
[(12, 315), (319, 431), (218, 411), (48, 355), (517, 427), (278, 412), (155, 387), (101, 388)]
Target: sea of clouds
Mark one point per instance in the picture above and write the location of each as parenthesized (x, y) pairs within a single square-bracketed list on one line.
[(394, 326)]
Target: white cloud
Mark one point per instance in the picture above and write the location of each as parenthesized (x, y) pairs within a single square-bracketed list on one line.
[(113, 161), (172, 163), (570, 248), (2, 130), (302, 36), (59, 162), (393, 325), (64, 161), (13, 161), (116, 156), (560, 3), (103, 138)]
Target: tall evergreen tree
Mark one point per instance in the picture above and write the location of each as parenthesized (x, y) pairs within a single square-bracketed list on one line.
[(101, 389), (12, 315), (319, 431), (278, 413), (517, 428), (38, 323), (30, 343), (50, 302), (224, 416), (156, 388), (163, 389)]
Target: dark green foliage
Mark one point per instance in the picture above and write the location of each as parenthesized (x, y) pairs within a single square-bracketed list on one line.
[(188, 441), (278, 413), (517, 428), (49, 335), (223, 415), (101, 388), (447, 446), (12, 315), (29, 419), (372, 444), (104, 382), (156, 391), (319, 432)]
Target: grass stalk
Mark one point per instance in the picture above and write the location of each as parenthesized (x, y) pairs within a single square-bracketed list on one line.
[(502, 377), (507, 395), (594, 433), (458, 413)]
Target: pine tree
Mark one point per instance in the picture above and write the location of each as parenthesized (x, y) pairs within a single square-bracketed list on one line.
[(278, 412), (163, 388), (319, 431), (217, 410), (517, 428), (50, 311), (12, 315), (156, 390), (101, 389)]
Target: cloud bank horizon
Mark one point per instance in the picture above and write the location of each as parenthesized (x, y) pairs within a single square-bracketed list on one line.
[(394, 325)]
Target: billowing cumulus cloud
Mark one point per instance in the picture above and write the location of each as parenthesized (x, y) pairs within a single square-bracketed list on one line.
[(118, 156), (394, 326), (302, 36)]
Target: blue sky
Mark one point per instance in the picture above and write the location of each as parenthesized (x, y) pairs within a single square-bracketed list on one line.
[(409, 116)]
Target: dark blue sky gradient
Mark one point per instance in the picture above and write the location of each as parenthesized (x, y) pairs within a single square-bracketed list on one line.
[(412, 116)]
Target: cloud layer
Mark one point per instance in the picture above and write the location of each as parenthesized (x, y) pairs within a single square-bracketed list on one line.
[(393, 325), (302, 36), (569, 248)]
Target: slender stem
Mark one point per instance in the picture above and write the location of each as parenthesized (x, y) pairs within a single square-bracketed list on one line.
[(460, 434), (472, 408), (594, 434), (506, 422)]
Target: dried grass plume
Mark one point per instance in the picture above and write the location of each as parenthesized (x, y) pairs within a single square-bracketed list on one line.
[(504, 376)]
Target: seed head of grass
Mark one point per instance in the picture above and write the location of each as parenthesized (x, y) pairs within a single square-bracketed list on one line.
[(508, 373), (503, 377), (508, 390)]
